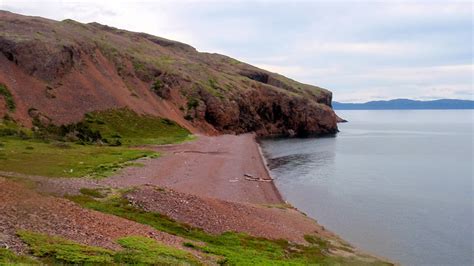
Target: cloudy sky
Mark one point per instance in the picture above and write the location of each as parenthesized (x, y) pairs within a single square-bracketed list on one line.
[(361, 50)]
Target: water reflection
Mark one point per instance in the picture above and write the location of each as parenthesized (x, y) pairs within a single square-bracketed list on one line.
[(302, 160), (290, 161)]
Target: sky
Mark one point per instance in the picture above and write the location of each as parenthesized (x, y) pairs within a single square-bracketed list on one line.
[(360, 50)]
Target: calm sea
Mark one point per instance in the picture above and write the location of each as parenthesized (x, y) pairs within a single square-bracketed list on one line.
[(398, 184)]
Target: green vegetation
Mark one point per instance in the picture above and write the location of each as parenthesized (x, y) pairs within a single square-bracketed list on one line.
[(282, 206), (138, 66), (59, 159), (7, 257), (8, 97), (233, 248), (137, 251), (133, 129), (161, 89), (157, 86), (79, 132), (212, 86), (115, 127), (8, 127), (93, 192), (192, 102), (64, 251), (144, 251)]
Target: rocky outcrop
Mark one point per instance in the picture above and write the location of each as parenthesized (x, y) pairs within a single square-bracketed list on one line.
[(65, 69), (268, 112)]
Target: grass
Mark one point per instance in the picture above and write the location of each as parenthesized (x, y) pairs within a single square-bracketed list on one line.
[(133, 129), (8, 127), (192, 103), (137, 250), (212, 86), (93, 192), (282, 206), (64, 251), (145, 251), (8, 257), (233, 248), (64, 159), (8, 97)]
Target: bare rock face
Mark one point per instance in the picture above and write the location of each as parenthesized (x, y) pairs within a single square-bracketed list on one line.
[(66, 69), (269, 112)]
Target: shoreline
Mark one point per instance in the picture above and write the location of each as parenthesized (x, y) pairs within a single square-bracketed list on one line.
[(265, 165)]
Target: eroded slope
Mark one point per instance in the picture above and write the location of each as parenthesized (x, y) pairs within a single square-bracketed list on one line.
[(66, 69)]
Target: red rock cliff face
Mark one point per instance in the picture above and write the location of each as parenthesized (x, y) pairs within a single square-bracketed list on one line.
[(66, 69)]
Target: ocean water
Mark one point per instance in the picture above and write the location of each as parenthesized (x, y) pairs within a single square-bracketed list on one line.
[(398, 184)]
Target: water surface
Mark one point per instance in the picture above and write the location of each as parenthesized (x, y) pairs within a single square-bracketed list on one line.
[(398, 184)]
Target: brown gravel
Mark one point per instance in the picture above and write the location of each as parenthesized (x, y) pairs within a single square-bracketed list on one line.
[(218, 216), (210, 166), (23, 208)]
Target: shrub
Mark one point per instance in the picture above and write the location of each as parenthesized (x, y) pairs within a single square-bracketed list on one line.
[(8, 97), (192, 103)]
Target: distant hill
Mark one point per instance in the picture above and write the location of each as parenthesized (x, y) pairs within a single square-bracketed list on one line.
[(405, 104)]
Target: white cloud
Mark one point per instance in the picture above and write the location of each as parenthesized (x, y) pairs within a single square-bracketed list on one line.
[(367, 48), (414, 74)]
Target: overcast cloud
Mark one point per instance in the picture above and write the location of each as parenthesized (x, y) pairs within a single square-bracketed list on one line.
[(360, 50)]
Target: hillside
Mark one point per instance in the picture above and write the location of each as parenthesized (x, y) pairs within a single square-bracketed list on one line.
[(401, 104), (57, 71)]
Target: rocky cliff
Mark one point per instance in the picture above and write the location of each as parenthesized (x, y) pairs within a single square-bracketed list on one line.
[(60, 70)]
